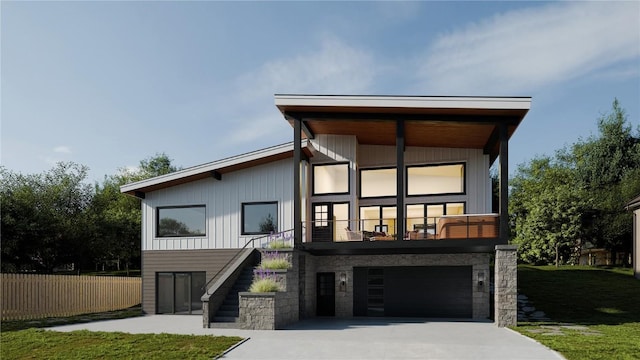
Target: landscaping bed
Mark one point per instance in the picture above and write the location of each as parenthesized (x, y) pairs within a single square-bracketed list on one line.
[(593, 312)]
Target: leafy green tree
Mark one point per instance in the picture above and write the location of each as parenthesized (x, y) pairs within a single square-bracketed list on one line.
[(43, 218), (608, 166), (117, 217), (561, 204), (546, 211)]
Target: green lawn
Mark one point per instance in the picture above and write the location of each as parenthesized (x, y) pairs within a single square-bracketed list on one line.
[(43, 344), (22, 340), (604, 303)]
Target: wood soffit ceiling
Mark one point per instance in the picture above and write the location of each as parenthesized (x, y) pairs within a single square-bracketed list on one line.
[(439, 127)]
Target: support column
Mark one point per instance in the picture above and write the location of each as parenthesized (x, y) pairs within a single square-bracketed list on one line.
[(297, 191), (506, 286), (504, 184), (400, 223)]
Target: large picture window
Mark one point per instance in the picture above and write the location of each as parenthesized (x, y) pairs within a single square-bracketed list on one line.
[(181, 221), (259, 218), (378, 182), (331, 179), (435, 179)]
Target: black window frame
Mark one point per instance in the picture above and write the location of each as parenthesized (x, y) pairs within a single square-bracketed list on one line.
[(242, 206), (370, 169), (157, 221), (464, 179), (313, 179)]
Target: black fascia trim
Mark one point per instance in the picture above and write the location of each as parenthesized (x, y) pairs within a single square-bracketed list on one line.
[(360, 182), (157, 220), (464, 178), (313, 178), (242, 232)]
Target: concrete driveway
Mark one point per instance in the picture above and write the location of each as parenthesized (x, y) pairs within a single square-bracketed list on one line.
[(358, 338)]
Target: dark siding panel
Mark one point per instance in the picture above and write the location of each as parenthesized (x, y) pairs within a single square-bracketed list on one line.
[(210, 261), (428, 291)]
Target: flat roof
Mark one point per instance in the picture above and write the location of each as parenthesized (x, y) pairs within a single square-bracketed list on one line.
[(430, 121)]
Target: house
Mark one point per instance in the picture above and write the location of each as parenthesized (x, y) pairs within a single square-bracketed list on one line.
[(634, 205), (387, 200)]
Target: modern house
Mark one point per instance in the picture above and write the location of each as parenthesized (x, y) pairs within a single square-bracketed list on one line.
[(387, 201), (634, 205)]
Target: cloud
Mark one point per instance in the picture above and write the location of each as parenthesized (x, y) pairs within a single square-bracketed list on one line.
[(62, 149), (334, 67), (524, 50)]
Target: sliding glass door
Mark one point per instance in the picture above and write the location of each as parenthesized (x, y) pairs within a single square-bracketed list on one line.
[(179, 292)]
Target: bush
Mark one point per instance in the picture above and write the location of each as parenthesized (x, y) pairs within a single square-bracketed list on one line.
[(279, 244), (264, 285), (274, 261)]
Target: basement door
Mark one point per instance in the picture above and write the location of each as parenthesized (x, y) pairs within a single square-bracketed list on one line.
[(179, 292), (413, 291)]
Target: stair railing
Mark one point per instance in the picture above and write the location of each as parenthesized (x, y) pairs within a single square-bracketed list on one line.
[(270, 237)]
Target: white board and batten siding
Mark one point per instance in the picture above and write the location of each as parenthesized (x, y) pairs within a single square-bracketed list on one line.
[(223, 201)]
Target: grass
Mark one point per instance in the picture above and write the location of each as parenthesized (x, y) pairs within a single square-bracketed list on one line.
[(42, 344), (275, 264), (605, 302), (279, 244), (57, 321), (264, 285)]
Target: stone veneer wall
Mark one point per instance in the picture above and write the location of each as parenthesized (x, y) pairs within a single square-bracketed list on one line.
[(506, 285), (270, 311), (345, 264)]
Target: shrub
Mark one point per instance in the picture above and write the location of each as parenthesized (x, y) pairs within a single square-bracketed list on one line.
[(264, 285), (264, 281), (279, 244), (274, 261)]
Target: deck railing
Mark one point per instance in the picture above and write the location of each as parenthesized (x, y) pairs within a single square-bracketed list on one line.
[(467, 226)]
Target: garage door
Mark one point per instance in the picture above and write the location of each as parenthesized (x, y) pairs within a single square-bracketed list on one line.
[(413, 291)]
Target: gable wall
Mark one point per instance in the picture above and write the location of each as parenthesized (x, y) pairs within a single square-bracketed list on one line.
[(223, 199)]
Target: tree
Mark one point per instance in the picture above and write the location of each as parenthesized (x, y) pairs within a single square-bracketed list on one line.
[(560, 204), (546, 212), (117, 217), (608, 166), (43, 218)]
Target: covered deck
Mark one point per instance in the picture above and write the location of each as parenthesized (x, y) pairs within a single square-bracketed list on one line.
[(484, 123)]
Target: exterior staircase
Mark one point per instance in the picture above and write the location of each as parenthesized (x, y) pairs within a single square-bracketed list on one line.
[(228, 314)]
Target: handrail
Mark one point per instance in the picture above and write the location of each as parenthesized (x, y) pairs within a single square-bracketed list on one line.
[(206, 286)]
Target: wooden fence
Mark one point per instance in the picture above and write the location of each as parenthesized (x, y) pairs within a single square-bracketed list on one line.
[(31, 296)]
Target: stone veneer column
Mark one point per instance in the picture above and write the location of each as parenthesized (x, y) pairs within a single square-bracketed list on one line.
[(506, 285)]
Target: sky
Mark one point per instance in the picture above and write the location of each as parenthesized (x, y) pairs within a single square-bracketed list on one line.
[(107, 84)]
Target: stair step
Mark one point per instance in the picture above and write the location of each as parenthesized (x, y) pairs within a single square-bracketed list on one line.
[(225, 319), (224, 307), (227, 313), (224, 325)]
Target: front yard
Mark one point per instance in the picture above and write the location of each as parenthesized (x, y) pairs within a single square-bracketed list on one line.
[(22, 340), (43, 344), (594, 312)]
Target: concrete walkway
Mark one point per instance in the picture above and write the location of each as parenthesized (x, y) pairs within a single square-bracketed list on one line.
[(359, 338)]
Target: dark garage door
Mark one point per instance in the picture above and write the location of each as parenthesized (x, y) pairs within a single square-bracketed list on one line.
[(413, 291)]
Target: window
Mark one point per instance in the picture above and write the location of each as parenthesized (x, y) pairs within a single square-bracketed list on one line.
[(435, 179), (424, 217), (179, 293), (181, 221), (259, 218), (331, 179), (378, 182)]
